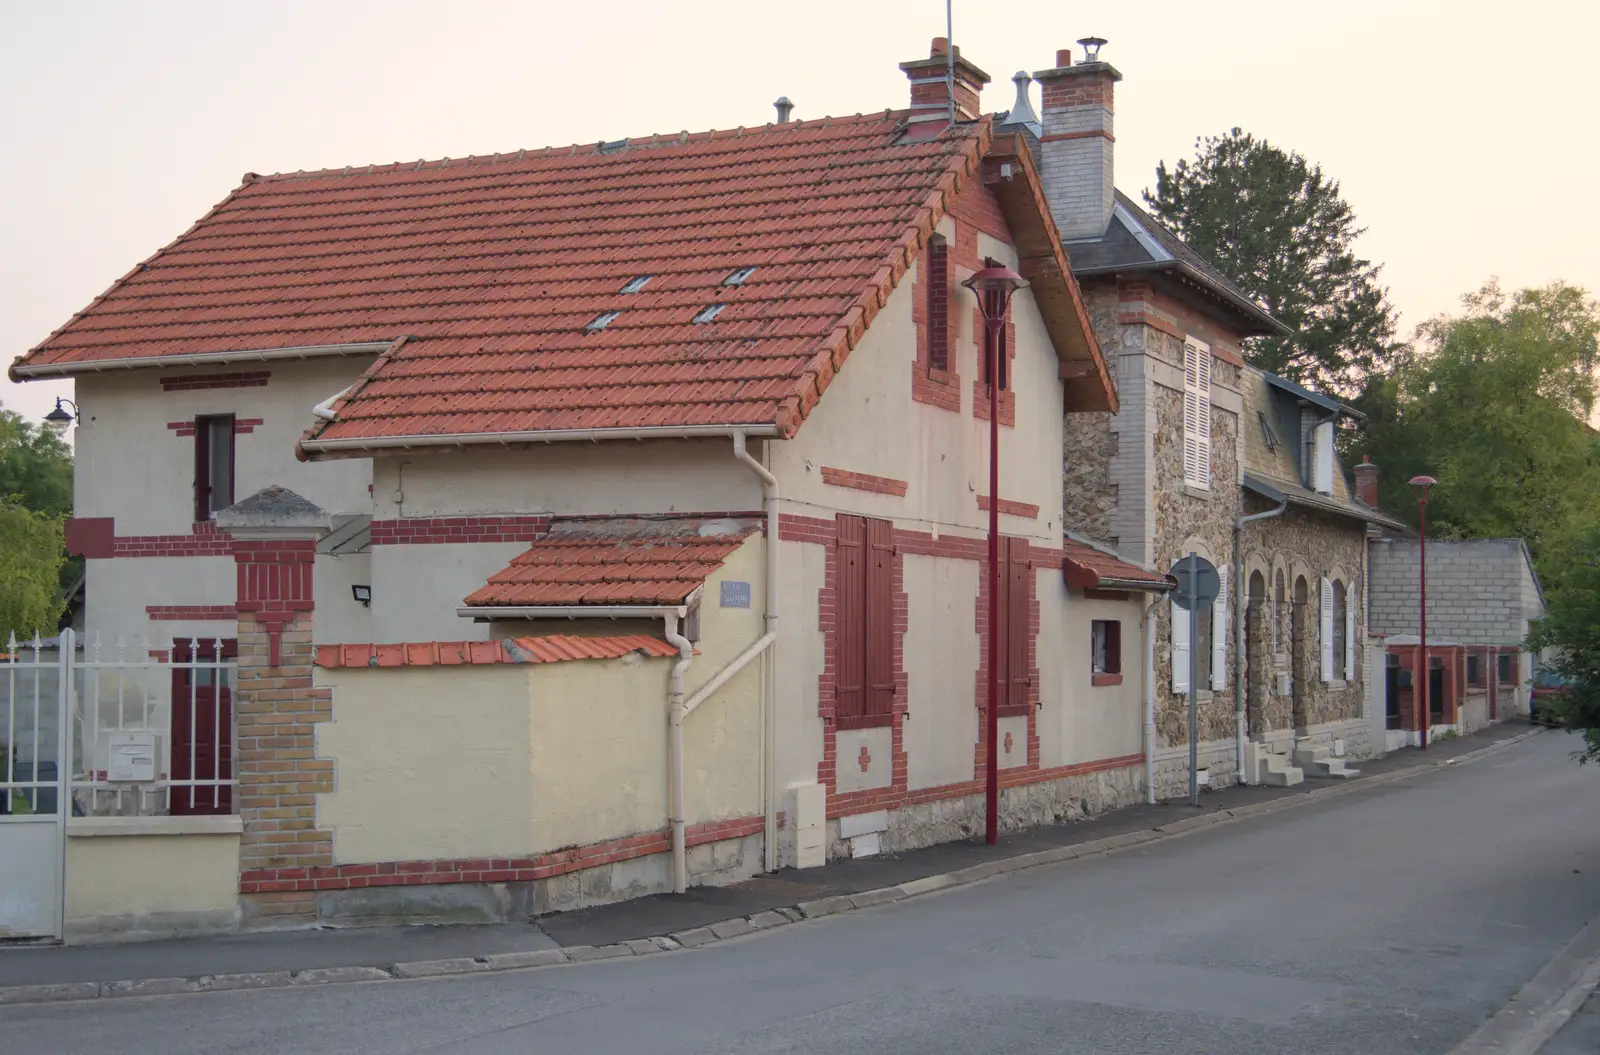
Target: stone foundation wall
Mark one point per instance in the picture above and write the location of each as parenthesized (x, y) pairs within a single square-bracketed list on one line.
[(1356, 734), (1218, 758)]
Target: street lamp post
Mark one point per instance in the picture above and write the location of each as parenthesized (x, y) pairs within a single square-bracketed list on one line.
[(993, 286), (1424, 709)]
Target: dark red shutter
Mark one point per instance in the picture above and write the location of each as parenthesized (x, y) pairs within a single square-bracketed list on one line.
[(1017, 616), (880, 617), (938, 306), (202, 470), (1114, 647), (849, 605), (202, 730)]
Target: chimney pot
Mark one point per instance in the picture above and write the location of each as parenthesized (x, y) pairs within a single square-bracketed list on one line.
[(785, 109), (1063, 58), (941, 46)]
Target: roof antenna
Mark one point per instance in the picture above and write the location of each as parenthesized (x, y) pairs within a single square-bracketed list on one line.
[(785, 109), (950, 60)]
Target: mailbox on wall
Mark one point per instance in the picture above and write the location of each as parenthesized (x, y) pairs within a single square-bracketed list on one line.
[(132, 758)]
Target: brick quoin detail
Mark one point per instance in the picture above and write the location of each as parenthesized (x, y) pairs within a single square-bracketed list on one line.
[(937, 388), (1140, 303), (203, 540), (241, 426), (884, 485), (1016, 509), (190, 611), (196, 382), (305, 878), (416, 531)]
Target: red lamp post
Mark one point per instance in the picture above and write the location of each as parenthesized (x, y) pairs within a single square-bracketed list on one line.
[(994, 286), (1424, 710)]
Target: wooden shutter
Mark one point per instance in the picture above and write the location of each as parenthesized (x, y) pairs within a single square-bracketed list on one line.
[(1349, 636), (880, 618), (1197, 414), (1327, 630), (849, 607), (1219, 632), (1015, 641), (938, 304), (1113, 664), (1180, 649)]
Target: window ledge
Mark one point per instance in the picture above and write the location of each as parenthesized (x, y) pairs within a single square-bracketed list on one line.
[(1105, 679), (863, 721), (88, 827), (1204, 494)]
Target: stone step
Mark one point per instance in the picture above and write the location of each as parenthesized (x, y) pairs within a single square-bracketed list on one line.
[(1333, 767), (1286, 777)]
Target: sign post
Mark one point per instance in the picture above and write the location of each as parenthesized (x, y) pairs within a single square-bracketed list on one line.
[(1198, 586)]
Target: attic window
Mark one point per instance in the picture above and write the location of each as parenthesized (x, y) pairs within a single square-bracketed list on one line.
[(1266, 432), (738, 276), (707, 314), (636, 283), (600, 321)]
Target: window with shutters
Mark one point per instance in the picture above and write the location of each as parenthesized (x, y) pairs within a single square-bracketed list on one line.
[(1325, 630), (1322, 457), (1197, 414), (864, 613), (1204, 642), (1340, 628), (213, 464)]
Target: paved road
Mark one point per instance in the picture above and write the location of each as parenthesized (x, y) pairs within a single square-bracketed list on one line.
[(1393, 921)]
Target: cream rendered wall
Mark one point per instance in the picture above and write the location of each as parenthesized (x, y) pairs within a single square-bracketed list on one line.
[(339, 616), (145, 883), (941, 650), (802, 572), (129, 465), (430, 762), (120, 588), (1092, 722), (417, 589), (686, 476)]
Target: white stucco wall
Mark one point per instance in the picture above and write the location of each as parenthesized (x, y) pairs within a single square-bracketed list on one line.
[(120, 588), (941, 650), (339, 616), (417, 589), (1092, 722)]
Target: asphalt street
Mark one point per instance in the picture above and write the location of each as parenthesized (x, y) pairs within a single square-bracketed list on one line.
[(1396, 920)]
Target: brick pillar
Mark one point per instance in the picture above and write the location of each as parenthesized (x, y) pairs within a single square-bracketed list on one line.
[(276, 708)]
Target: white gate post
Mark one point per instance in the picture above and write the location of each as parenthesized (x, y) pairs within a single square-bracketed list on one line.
[(66, 696)]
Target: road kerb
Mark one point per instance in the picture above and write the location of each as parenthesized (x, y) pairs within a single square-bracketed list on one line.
[(741, 926)]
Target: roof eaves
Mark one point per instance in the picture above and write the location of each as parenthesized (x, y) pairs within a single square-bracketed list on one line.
[(357, 446), (21, 371), (1328, 403), (1280, 491)]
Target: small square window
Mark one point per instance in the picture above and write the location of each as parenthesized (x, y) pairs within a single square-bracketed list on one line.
[(1505, 668), (1106, 646), (636, 283), (707, 314), (600, 321), (738, 276)]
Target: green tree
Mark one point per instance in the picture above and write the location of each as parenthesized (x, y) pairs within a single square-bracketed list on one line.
[(1494, 406), (35, 466), (32, 552), (1274, 224), (1571, 630)]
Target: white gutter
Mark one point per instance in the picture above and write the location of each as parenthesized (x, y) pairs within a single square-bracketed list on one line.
[(464, 439), (1239, 606), (675, 715), (324, 410), (197, 359), (1149, 623), (580, 611), (769, 706)]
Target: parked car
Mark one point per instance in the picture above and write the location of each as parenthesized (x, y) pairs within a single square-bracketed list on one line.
[(1548, 688)]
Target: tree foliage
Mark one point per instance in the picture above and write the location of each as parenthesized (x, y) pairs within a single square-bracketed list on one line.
[(35, 494), (1274, 224), (1571, 630), (1494, 406)]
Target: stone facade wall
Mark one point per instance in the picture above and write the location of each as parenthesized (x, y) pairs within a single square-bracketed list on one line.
[(1312, 546)]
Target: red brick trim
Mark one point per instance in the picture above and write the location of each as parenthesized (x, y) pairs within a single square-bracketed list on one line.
[(489, 869), (196, 382), (1007, 506), (936, 388), (182, 428), (416, 531), (191, 611), (1057, 137), (1098, 680), (980, 390), (243, 426), (199, 543), (884, 485), (1016, 777)]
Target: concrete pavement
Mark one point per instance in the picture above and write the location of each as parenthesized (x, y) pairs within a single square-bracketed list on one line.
[(1396, 920)]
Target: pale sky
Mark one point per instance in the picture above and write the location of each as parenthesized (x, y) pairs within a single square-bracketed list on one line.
[(1461, 131)]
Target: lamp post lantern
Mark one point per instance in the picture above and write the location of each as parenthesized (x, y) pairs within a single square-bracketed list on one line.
[(1424, 709), (993, 285)]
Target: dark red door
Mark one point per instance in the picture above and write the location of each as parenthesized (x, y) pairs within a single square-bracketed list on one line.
[(202, 727)]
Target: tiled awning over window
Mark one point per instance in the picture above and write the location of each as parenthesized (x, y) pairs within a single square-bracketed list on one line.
[(1089, 568)]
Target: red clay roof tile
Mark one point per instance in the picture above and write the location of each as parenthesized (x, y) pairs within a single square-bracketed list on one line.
[(1089, 568), (552, 649)]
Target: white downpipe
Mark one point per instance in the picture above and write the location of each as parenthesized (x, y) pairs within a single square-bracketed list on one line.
[(675, 715), (324, 410), (1241, 601), (769, 704), (704, 692), (1150, 701)]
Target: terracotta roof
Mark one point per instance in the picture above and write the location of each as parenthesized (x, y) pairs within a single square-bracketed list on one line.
[(554, 649), (1088, 567), (595, 568), (484, 275)]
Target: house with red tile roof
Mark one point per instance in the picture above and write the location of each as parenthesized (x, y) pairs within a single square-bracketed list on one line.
[(721, 393)]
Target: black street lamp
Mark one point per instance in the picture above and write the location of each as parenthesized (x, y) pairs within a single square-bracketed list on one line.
[(1424, 711)]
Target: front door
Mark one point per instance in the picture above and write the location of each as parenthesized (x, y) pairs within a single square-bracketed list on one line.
[(202, 728)]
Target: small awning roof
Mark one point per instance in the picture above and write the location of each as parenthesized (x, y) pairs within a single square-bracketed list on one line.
[(1089, 567)]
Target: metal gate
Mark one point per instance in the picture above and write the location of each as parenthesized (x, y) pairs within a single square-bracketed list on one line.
[(35, 687)]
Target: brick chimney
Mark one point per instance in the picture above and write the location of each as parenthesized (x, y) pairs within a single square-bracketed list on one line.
[(1367, 481), (930, 90), (1075, 152)]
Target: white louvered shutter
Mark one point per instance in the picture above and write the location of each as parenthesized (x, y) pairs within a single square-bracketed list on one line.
[(1197, 414), (1323, 442), (1219, 633), (1349, 636), (1180, 650), (1327, 630)]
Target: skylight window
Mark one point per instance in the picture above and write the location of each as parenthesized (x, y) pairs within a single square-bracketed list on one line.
[(600, 321), (636, 283), (707, 314), (738, 276)]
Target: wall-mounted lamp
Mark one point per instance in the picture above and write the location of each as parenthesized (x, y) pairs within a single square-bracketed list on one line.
[(60, 419), (362, 594)]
